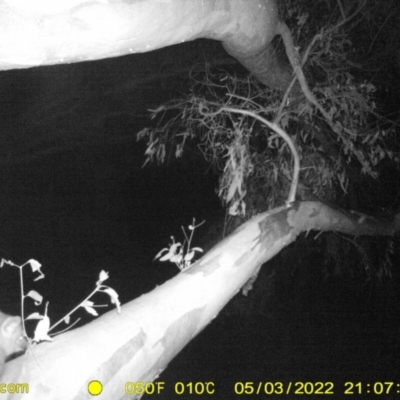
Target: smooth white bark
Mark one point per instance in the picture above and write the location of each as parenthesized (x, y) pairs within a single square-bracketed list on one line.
[(138, 344), (42, 32)]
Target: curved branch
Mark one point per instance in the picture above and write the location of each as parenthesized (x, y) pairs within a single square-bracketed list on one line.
[(296, 65), (277, 129)]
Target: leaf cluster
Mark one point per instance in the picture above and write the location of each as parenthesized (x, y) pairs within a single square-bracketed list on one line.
[(182, 255), (43, 328), (344, 132)]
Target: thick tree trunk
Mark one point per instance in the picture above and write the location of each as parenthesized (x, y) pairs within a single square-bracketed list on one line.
[(44, 32), (137, 345)]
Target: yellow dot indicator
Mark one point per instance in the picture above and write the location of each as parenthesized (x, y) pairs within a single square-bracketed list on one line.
[(95, 388)]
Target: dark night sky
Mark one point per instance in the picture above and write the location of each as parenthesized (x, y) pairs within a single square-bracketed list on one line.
[(73, 196)]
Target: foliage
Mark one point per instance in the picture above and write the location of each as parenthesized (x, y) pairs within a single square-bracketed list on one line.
[(373, 259), (44, 327), (343, 132), (182, 255)]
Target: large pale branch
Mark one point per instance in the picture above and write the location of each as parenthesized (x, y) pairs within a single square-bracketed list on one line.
[(46, 32), (138, 344)]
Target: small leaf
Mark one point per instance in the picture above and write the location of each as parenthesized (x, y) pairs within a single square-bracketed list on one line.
[(42, 329), (233, 188), (174, 247), (285, 121), (91, 311), (114, 298), (87, 303), (88, 306), (233, 209), (37, 298), (179, 150), (35, 265), (167, 256), (302, 19), (35, 315), (189, 256), (102, 277), (173, 250), (161, 252), (177, 258)]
